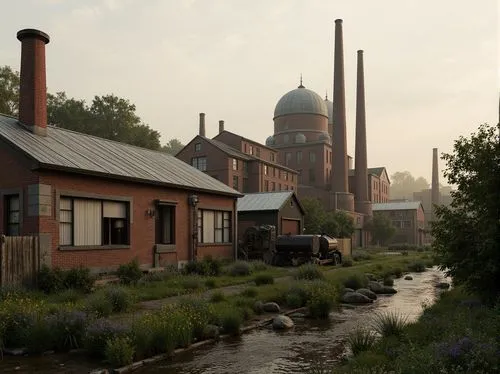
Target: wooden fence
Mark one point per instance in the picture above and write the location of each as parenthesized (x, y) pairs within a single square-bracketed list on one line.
[(19, 260)]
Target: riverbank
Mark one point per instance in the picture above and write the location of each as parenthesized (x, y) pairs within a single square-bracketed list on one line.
[(458, 334)]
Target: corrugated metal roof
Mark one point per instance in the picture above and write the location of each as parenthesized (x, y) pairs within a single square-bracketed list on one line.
[(263, 201), (77, 152), (397, 205)]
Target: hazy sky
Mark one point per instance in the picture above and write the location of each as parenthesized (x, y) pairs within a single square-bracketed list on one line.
[(431, 67)]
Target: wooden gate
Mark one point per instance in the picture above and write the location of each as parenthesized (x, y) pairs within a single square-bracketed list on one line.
[(19, 260)]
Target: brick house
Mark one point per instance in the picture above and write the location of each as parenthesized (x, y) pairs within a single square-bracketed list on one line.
[(378, 184), (100, 203), (281, 209), (240, 163), (407, 217)]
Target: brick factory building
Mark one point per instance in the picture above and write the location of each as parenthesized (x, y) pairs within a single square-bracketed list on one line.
[(100, 203)]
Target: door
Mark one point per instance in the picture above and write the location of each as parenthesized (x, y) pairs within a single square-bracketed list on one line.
[(290, 226)]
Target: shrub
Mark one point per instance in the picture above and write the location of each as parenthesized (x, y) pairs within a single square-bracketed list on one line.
[(79, 278), (98, 333), (208, 266), (389, 324), (50, 280), (68, 296), (360, 255), (355, 281), (191, 283), (98, 304), (388, 281), (360, 340), (404, 253), (309, 272), (119, 351), (231, 321), (261, 279), (250, 292), (40, 336), (197, 312), (210, 283), (397, 272), (346, 262), (217, 297), (297, 295), (240, 268), (417, 267), (67, 328), (258, 265), (294, 300), (321, 300), (129, 273), (120, 298)]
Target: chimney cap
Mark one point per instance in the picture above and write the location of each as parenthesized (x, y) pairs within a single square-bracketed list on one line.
[(33, 33), (360, 51), (338, 20)]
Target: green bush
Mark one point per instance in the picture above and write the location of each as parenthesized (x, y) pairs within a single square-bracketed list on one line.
[(231, 321), (417, 267), (389, 324), (67, 328), (207, 267), (98, 332), (119, 297), (361, 255), (67, 296), (217, 297), (355, 281), (250, 292), (258, 265), (79, 278), (119, 351), (240, 268), (210, 283), (191, 283), (40, 336), (98, 304), (50, 280), (360, 340), (308, 272), (388, 281), (346, 262), (261, 279), (294, 300), (198, 312), (130, 273), (321, 300), (397, 272)]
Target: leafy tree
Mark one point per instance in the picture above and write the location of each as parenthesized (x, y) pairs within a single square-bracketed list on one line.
[(345, 224), (467, 233), (314, 217), (381, 228), (173, 146), (68, 113), (9, 91), (318, 220), (403, 185)]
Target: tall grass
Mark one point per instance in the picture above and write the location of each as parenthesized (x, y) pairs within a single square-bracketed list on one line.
[(309, 272), (361, 340), (389, 324)]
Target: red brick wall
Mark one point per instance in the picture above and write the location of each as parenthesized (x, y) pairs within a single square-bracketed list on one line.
[(142, 234)]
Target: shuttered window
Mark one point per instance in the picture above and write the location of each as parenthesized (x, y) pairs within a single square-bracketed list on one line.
[(91, 222), (214, 226)]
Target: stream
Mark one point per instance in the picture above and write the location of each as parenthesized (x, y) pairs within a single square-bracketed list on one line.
[(264, 351)]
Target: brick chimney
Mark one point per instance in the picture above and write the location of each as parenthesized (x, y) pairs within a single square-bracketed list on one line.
[(361, 201), (435, 195), (33, 90), (342, 199), (221, 126), (202, 124)]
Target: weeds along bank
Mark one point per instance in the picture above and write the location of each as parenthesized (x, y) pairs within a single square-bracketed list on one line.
[(71, 319), (458, 334)]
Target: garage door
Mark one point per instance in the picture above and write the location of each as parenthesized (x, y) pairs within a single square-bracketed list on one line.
[(290, 226)]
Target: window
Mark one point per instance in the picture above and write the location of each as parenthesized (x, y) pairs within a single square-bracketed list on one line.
[(197, 147), (245, 184), (265, 169), (12, 215), (273, 157), (214, 226), (245, 168), (285, 175), (312, 157), (257, 151), (166, 224), (199, 163), (286, 138), (235, 164), (274, 172), (89, 222), (251, 149), (299, 157), (266, 185), (288, 158), (312, 176), (235, 182)]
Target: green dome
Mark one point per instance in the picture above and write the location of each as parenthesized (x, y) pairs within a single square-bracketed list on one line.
[(301, 101)]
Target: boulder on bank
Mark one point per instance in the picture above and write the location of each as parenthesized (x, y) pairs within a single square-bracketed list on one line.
[(271, 307), (258, 307), (387, 290), (408, 277), (355, 298), (282, 322), (380, 289), (443, 285), (370, 276), (365, 291), (348, 290)]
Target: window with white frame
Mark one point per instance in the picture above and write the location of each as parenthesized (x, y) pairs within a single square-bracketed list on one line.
[(92, 222), (214, 226)]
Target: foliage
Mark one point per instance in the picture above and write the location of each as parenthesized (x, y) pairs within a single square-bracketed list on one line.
[(346, 262), (388, 281), (309, 272), (98, 304), (217, 297), (98, 332), (261, 279), (173, 146), (50, 280), (249, 292), (417, 266), (119, 351), (355, 281), (192, 283), (210, 283), (240, 268), (321, 301), (361, 255), (119, 297), (381, 228), (466, 233), (389, 324), (9, 91), (318, 220), (258, 265), (360, 340), (68, 328), (208, 266), (129, 273), (79, 278), (403, 185), (231, 321)]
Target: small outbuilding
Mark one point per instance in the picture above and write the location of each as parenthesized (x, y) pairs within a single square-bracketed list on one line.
[(281, 209)]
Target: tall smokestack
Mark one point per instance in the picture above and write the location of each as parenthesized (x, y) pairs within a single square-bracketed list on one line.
[(435, 181), (342, 199), (362, 202), (221, 126), (33, 87), (202, 124)]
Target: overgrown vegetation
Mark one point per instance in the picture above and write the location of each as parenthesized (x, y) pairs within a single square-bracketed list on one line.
[(319, 220)]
